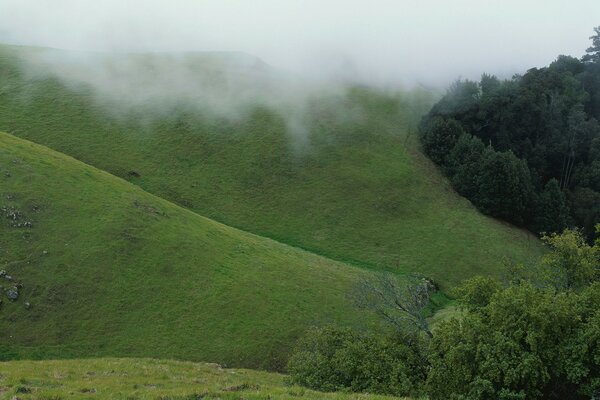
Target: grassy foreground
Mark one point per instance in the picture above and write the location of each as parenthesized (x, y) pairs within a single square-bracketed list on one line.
[(355, 189), (110, 270), (146, 379)]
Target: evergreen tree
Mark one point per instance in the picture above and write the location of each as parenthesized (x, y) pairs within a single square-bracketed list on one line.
[(504, 186), (464, 164), (593, 52), (438, 137)]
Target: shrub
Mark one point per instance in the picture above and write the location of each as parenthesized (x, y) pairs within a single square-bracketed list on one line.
[(332, 359)]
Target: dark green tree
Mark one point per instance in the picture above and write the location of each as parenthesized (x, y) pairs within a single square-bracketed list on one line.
[(593, 52), (438, 137), (551, 211), (547, 118), (586, 205), (504, 187), (464, 164)]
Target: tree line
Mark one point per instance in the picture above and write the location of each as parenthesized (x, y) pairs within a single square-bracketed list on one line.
[(526, 149)]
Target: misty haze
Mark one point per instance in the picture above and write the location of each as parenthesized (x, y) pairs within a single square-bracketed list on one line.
[(226, 199)]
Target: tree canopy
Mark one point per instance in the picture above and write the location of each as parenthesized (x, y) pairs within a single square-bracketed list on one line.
[(526, 149)]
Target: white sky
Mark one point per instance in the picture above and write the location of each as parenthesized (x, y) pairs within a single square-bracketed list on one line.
[(382, 41)]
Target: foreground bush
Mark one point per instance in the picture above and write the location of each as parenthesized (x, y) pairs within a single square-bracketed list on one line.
[(537, 337), (332, 359), (527, 343)]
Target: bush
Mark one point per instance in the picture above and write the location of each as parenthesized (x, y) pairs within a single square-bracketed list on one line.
[(332, 359), (526, 343)]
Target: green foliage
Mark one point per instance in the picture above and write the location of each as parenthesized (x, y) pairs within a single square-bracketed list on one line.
[(572, 264), (547, 118), (537, 338), (476, 293), (552, 210), (520, 345), (586, 208), (504, 186), (464, 165), (438, 137), (593, 52), (332, 359)]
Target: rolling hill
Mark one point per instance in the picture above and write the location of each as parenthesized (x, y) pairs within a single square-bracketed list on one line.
[(107, 269), (340, 175)]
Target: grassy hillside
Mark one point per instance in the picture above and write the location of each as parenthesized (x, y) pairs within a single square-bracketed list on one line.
[(147, 379), (349, 183), (108, 269)]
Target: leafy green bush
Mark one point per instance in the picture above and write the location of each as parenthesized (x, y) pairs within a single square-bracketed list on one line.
[(527, 343), (333, 359)]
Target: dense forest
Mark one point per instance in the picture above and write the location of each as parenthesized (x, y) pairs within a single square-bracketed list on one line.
[(526, 149)]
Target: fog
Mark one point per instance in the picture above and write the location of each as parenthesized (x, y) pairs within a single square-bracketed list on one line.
[(383, 42), (226, 57)]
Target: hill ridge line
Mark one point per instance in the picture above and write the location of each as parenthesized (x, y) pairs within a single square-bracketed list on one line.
[(177, 205)]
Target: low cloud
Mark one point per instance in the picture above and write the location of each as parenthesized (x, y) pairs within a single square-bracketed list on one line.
[(379, 42)]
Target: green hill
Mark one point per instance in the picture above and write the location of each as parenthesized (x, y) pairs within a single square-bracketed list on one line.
[(148, 379), (344, 179), (108, 269)]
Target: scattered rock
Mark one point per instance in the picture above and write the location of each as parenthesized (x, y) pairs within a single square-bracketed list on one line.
[(12, 294), (8, 277), (27, 305), (2, 273), (45, 252), (18, 220)]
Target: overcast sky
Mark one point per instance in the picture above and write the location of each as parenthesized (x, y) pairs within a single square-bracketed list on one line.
[(378, 40)]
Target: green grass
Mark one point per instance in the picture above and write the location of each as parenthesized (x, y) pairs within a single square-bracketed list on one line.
[(358, 191), (147, 379), (111, 270)]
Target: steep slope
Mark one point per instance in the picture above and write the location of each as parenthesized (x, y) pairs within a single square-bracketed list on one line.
[(108, 269), (344, 179)]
